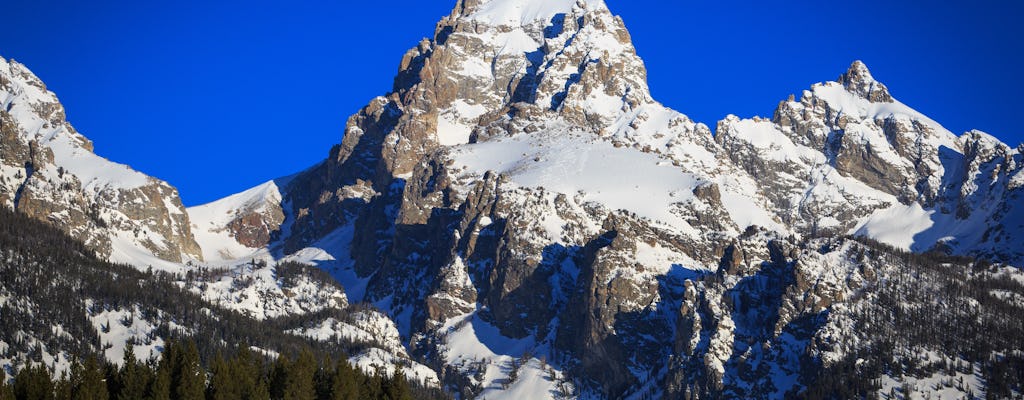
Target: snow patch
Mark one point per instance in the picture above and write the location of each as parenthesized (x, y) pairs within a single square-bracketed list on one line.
[(568, 162), (524, 12), (896, 225)]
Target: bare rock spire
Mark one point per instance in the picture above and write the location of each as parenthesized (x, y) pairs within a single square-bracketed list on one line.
[(858, 80)]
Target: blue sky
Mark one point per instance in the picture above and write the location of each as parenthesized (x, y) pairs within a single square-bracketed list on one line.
[(218, 96)]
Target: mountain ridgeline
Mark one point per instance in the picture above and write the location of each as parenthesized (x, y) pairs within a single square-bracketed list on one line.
[(479, 222)]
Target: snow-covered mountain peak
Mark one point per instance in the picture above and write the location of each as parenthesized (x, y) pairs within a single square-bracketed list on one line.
[(49, 171), (238, 225), (977, 138), (531, 219), (522, 12), (858, 80)]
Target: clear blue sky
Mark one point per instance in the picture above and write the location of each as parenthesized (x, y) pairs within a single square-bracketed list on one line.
[(218, 96)]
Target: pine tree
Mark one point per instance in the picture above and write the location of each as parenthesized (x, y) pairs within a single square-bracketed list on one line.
[(62, 389), (160, 386), (245, 369), (397, 388), (33, 383), (262, 392), (372, 386), (6, 391), (90, 384), (299, 377), (278, 377), (131, 378), (322, 380), (345, 382), (188, 381), (223, 381)]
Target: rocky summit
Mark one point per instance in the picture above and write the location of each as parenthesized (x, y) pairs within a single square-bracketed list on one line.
[(484, 206)]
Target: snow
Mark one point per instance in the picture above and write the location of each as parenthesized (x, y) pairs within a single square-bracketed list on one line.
[(896, 225), (374, 360), (59, 362), (94, 172), (840, 99), (471, 344), (126, 249), (258, 292), (524, 12), (117, 327), (386, 351), (569, 163), (745, 212), (515, 41), (659, 260), (332, 254), (368, 327), (771, 143), (553, 225), (210, 221), (1016, 181), (933, 386), (455, 124)]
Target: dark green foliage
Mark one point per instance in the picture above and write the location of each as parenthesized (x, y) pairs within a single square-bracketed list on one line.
[(246, 372), (132, 379), (42, 266), (33, 383), (222, 381), (298, 380), (188, 380), (396, 388), (345, 382), (239, 377), (160, 386), (88, 380), (6, 391)]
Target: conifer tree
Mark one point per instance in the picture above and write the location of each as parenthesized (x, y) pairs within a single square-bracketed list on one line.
[(159, 387), (132, 378), (33, 383), (397, 388), (90, 384), (345, 382), (6, 391), (223, 381), (372, 386), (62, 389), (262, 391), (246, 370), (299, 384), (278, 376), (188, 381), (323, 378)]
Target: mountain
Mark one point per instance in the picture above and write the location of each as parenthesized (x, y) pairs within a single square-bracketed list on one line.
[(49, 171), (61, 304), (534, 224)]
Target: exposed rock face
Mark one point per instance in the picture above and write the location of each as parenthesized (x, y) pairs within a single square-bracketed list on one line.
[(519, 196), (858, 80), (487, 192), (48, 171)]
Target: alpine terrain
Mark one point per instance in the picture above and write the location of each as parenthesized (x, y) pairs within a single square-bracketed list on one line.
[(518, 218)]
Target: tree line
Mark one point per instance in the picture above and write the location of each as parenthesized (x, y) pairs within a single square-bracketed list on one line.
[(179, 374), (946, 304), (53, 283)]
